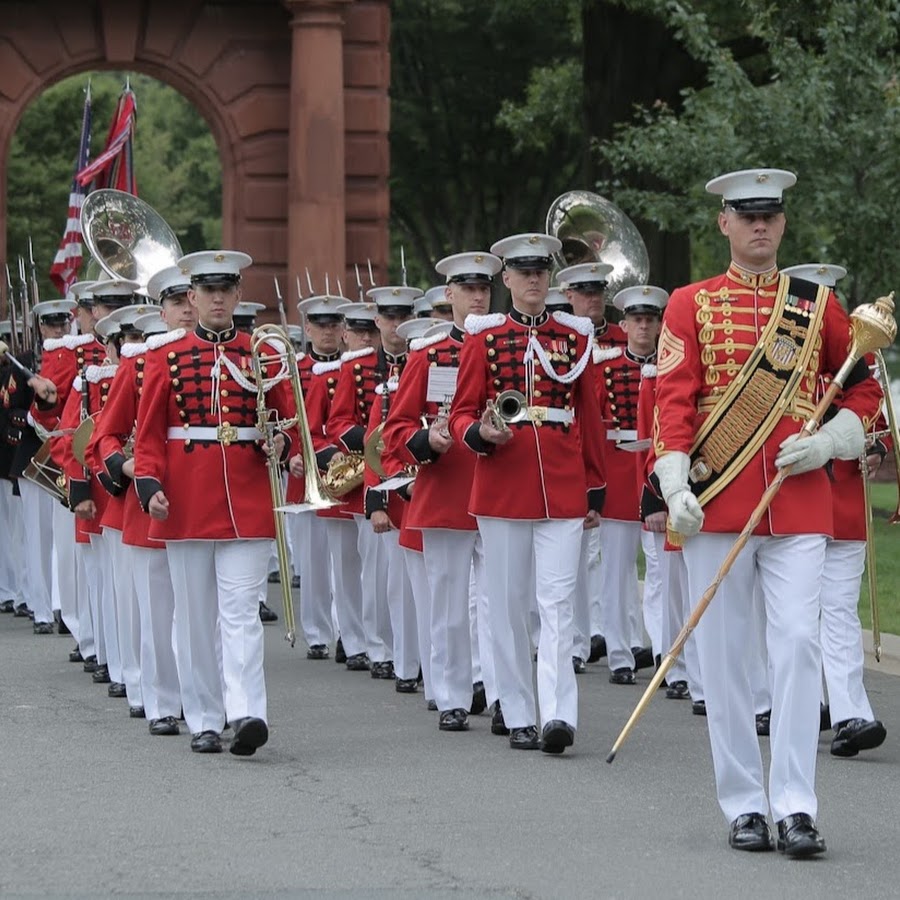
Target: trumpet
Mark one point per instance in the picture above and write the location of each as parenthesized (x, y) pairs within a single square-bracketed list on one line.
[(345, 472), (506, 408), (263, 341)]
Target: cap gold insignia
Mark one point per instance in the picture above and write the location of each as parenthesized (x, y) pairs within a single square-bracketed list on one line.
[(821, 270), (395, 292), (762, 177), (533, 239), (479, 258), (219, 257), (646, 291)]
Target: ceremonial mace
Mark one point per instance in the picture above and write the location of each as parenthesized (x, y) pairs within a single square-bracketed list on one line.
[(872, 328)]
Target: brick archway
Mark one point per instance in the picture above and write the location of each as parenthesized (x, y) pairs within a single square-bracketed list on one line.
[(295, 93)]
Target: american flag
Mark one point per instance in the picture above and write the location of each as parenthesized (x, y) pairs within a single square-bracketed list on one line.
[(114, 167), (64, 271)]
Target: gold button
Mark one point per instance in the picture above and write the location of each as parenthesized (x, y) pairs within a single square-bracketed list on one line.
[(359, 392), (187, 442), (140, 360), (185, 426), (171, 355), (224, 393), (358, 378), (537, 376), (492, 353), (538, 394), (534, 332), (571, 337), (223, 376), (226, 409), (357, 368), (497, 383), (176, 382), (489, 338), (538, 424), (493, 367), (140, 375), (330, 381), (607, 370), (209, 335), (178, 398), (173, 369)]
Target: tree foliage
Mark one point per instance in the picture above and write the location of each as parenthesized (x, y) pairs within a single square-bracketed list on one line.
[(175, 158)]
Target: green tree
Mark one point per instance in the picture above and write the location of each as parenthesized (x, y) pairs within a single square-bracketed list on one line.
[(175, 158)]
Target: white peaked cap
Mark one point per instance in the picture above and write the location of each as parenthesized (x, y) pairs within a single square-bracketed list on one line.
[(206, 264), (641, 298), (168, 281), (394, 295), (753, 190), (469, 267), (818, 273)]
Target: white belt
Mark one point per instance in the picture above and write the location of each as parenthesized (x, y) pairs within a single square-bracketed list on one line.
[(544, 414), (619, 434), (224, 434)]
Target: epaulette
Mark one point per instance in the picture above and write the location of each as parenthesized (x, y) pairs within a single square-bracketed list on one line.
[(130, 350), (477, 324), (581, 324), (155, 341), (95, 374), (602, 355), (69, 341), (648, 370), (299, 355), (356, 354), (423, 342), (320, 368)]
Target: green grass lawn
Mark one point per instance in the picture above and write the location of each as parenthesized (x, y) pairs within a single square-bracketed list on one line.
[(887, 558)]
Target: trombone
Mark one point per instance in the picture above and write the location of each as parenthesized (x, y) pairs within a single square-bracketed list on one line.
[(270, 344)]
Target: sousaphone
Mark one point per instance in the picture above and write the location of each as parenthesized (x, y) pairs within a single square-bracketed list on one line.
[(593, 229), (127, 238)]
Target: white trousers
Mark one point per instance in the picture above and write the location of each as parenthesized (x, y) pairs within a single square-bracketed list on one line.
[(219, 581), (103, 604), (37, 520), (421, 593), (346, 571), (64, 585), (85, 574), (593, 579), (841, 631), (309, 540), (787, 571), (402, 609), (586, 588), (619, 543), (653, 598), (160, 686), (510, 548), (11, 580), (375, 612), (128, 617), (480, 625), (449, 557)]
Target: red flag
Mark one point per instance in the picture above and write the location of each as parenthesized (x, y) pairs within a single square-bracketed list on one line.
[(67, 262), (114, 167)]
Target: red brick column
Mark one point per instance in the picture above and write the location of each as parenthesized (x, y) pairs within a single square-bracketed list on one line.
[(316, 182)]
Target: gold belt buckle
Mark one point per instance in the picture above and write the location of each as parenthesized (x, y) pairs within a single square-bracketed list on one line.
[(537, 413), (226, 434)]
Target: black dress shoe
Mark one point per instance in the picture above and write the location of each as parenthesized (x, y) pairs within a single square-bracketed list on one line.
[(383, 670), (598, 648), (164, 726), (206, 742), (137, 712), (61, 627), (643, 658), (101, 675), (274, 577), (750, 832), (453, 720), (266, 614), (763, 720), (249, 735), (579, 665), (556, 736), (116, 689), (622, 676), (825, 717), (479, 699), (524, 738), (8, 606), (21, 611), (75, 655), (698, 708), (42, 628), (677, 690), (406, 685), (798, 836), (90, 664), (359, 662), (498, 725), (340, 656), (295, 581), (431, 706), (317, 651), (854, 735)]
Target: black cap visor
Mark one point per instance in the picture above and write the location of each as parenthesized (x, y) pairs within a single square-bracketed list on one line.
[(756, 205), (529, 263)]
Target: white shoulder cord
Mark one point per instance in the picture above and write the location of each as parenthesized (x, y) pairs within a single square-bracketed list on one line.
[(535, 349)]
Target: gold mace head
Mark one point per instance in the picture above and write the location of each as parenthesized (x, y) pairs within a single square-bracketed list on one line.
[(873, 324), (4, 349)]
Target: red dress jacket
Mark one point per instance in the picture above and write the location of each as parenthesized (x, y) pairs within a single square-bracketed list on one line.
[(550, 469), (218, 489), (443, 483), (709, 330), (63, 359)]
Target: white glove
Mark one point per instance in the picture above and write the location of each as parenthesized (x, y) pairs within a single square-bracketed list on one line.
[(685, 513), (842, 438)]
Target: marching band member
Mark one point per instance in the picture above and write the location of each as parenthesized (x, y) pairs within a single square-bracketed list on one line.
[(728, 415), (840, 633), (439, 505), (440, 307), (394, 306), (200, 474), (309, 532), (360, 337), (538, 482), (585, 287), (621, 533)]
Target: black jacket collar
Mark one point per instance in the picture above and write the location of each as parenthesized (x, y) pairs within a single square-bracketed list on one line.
[(215, 337), (527, 320)]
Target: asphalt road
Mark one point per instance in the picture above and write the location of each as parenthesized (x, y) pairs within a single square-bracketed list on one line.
[(357, 795)]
